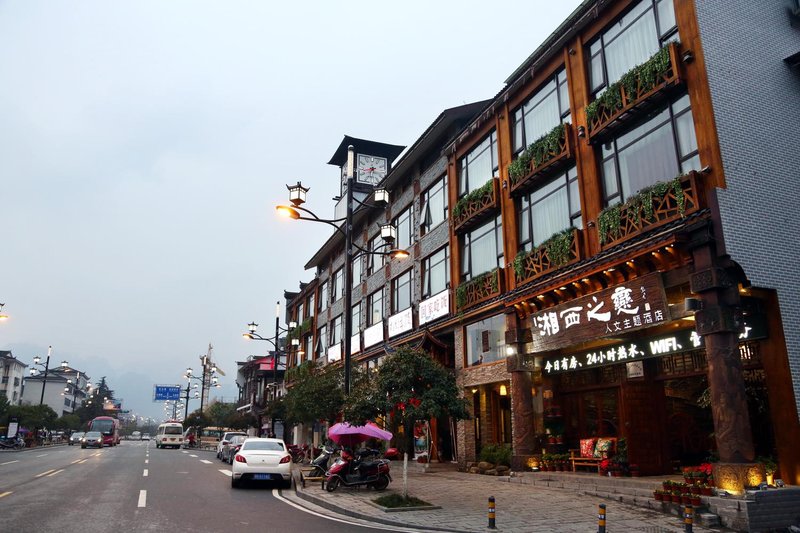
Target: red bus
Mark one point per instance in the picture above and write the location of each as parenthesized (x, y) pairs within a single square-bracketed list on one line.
[(109, 427)]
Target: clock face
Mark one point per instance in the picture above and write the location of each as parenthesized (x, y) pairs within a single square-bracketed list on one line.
[(371, 169)]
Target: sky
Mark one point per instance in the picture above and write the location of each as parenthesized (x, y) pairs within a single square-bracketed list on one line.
[(144, 145)]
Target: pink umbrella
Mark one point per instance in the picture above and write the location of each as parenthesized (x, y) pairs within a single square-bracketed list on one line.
[(345, 434)]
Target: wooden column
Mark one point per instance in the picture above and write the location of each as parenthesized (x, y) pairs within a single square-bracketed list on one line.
[(523, 435)]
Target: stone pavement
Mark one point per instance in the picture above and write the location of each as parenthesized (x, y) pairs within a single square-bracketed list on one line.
[(520, 505)]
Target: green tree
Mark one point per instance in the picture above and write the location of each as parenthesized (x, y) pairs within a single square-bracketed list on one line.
[(93, 406), (4, 406), (316, 394), (34, 416), (196, 419), (69, 421), (218, 413), (409, 386)]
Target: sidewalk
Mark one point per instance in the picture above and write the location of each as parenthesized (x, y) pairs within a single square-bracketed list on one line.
[(520, 505)]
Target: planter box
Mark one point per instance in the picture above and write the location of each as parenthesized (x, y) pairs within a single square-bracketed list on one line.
[(476, 291), (553, 162), (478, 210), (537, 263)]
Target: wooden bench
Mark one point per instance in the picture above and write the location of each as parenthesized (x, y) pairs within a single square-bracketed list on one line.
[(576, 459)]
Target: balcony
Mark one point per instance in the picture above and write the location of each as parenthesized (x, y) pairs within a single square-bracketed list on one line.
[(637, 92), (546, 156), (475, 291), (652, 207), (476, 206), (558, 251)]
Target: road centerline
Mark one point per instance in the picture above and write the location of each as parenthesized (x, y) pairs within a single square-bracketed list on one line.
[(144, 474), (44, 473), (142, 498)]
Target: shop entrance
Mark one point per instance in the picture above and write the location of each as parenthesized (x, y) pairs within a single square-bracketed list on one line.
[(593, 413)]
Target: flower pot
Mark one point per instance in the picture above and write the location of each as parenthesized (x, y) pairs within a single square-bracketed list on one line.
[(695, 489), (658, 496), (705, 491), (686, 500), (695, 500), (676, 498), (667, 485)]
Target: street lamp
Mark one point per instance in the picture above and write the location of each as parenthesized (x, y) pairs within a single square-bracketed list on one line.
[(38, 362), (209, 369), (297, 196), (252, 326), (3, 316)]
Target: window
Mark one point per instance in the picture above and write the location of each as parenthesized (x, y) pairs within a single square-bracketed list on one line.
[(375, 261), (336, 330), (543, 111), (405, 231), (322, 341), (300, 313), (310, 304), (631, 41), (309, 348), (434, 205), (657, 150), (375, 308), (356, 277), (486, 340), (478, 166), (553, 207), (435, 273), (355, 319), (337, 285), (401, 291), (323, 296), (482, 249)]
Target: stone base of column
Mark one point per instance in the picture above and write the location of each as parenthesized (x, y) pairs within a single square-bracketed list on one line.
[(736, 477)]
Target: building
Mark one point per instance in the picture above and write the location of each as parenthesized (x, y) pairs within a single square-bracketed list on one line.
[(618, 260), (64, 391), (12, 371)]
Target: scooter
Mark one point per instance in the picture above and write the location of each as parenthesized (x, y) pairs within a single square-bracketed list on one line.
[(16, 442), (353, 472), (320, 463)]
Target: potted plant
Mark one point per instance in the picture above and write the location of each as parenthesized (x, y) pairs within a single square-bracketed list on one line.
[(667, 485), (770, 467), (705, 489), (658, 494), (686, 499), (695, 500), (676, 496), (604, 466)]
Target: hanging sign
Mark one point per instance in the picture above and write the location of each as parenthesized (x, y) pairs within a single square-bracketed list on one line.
[(401, 322), (637, 304), (355, 344), (166, 392), (434, 307), (373, 335), (335, 353)]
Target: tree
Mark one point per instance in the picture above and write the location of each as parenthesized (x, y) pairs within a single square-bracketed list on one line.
[(93, 406), (316, 394), (196, 419), (68, 421), (34, 416), (218, 412), (409, 386)]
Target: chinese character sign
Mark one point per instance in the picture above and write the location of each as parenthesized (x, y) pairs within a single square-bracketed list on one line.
[(637, 304)]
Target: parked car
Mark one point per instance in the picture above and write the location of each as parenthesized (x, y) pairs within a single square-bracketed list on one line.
[(75, 438), (145, 436), (93, 439), (136, 435), (230, 449), (226, 437), (262, 459)]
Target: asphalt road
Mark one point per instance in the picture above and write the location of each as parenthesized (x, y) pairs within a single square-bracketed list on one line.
[(136, 487)]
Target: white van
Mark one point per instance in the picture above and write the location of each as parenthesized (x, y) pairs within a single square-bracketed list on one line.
[(136, 435), (169, 435)]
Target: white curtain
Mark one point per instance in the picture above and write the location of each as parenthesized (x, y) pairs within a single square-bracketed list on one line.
[(632, 47)]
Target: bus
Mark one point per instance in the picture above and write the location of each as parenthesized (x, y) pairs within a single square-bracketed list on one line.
[(169, 435), (108, 426)]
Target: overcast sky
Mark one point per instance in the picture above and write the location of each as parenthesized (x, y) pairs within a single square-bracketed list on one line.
[(144, 144)]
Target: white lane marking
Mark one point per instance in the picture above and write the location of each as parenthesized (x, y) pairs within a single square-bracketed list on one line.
[(146, 461), (205, 461), (226, 472), (82, 461), (4, 494), (193, 455), (77, 461), (43, 455), (383, 527), (145, 473), (142, 498), (56, 472), (98, 454), (184, 451), (8, 462), (43, 473)]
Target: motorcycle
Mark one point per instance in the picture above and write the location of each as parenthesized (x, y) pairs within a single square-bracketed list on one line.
[(320, 464), (298, 453), (360, 470), (16, 442)]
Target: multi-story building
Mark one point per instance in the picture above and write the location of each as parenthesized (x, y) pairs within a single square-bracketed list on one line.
[(64, 391), (617, 260), (12, 371)]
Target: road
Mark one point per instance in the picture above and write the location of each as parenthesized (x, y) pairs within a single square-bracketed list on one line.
[(135, 486)]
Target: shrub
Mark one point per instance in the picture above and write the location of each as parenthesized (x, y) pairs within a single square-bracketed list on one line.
[(497, 454)]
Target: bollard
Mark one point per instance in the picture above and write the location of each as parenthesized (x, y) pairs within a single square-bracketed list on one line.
[(601, 519), (688, 518), (491, 513)]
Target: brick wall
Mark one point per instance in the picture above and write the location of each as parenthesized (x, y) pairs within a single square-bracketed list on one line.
[(756, 100)]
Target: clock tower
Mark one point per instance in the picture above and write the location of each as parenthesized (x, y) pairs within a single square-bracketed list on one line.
[(372, 163)]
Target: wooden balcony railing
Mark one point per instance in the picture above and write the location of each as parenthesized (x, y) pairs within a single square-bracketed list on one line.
[(557, 252), (655, 206), (543, 157), (484, 287), (638, 90), (476, 206)]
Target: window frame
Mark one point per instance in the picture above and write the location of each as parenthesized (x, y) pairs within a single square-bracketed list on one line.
[(519, 139), (321, 349), (466, 242), (575, 217), (355, 318), (427, 291), (374, 246), (439, 186), (337, 285), (370, 307), (406, 216), (336, 329), (466, 183), (322, 301), (397, 285)]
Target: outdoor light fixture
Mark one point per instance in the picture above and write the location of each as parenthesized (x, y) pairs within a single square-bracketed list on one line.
[(381, 197), (503, 390), (37, 361), (297, 194), (3, 316), (295, 342), (288, 212), (398, 254), (388, 233)]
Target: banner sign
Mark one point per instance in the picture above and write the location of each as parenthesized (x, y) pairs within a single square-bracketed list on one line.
[(334, 353), (401, 322), (373, 335), (637, 304), (355, 344), (166, 392), (434, 307)]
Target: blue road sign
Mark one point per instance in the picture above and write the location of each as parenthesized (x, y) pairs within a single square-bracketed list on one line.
[(166, 392)]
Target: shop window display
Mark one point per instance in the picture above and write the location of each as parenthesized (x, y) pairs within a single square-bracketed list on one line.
[(486, 340)]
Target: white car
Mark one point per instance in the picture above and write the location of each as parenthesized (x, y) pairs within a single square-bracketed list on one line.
[(226, 438), (262, 460)]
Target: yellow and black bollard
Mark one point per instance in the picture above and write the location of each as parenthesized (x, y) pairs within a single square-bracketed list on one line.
[(491, 513), (601, 519), (688, 518)]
